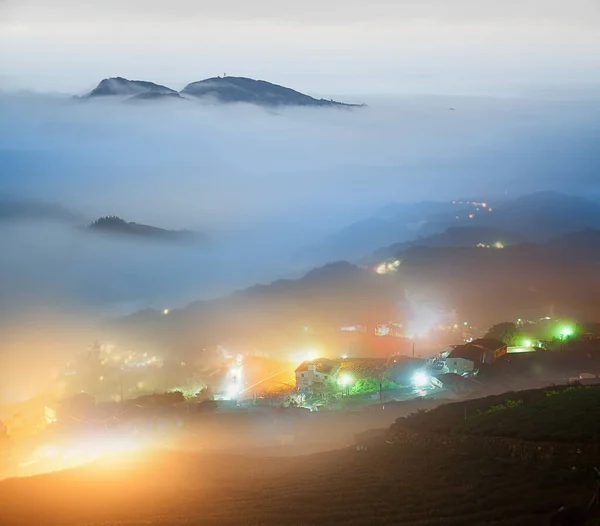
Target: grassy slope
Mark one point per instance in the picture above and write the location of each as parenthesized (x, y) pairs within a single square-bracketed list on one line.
[(570, 415), (384, 485)]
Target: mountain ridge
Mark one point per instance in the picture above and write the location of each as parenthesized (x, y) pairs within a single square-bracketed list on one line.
[(224, 90), (114, 86), (116, 226)]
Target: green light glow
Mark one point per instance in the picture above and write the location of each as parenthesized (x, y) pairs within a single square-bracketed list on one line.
[(345, 380), (527, 343), (565, 332)]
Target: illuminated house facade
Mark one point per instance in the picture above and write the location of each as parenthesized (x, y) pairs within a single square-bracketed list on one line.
[(466, 359), (317, 373)]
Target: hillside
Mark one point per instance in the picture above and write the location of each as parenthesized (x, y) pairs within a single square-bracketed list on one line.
[(483, 285), (406, 485), (113, 225), (119, 86), (455, 237), (17, 209), (418, 481), (543, 215), (216, 89), (536, 218), (557, 414), (241, 89), (155, 96), (273, 317), (392, 224), (522, 280)]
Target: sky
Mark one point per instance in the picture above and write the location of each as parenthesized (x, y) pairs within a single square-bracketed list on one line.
[(326, 48)]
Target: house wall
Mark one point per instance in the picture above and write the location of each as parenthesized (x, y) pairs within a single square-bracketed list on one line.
[(313, 378), (459, 365), (500, 352), (303, 380)]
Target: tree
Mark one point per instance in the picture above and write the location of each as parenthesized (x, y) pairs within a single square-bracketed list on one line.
[(327, 393), (505, 332), (109, 222), (365, 386), (372, 385)]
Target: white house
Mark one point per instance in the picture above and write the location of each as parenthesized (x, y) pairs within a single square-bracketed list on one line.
[(459, 366), (316, 373)]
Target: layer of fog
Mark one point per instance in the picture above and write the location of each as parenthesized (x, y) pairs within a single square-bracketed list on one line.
[(260, 183)]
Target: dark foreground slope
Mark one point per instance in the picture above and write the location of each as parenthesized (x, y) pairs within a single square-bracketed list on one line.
[(390, 484), (554, 414), (418, 481)]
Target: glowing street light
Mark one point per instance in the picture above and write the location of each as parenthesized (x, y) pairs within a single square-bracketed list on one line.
[(565, 332), (527, 343), (345, 380), (381, 269), (420, 379)]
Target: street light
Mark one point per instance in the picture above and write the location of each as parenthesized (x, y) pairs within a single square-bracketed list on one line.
[(420, 379), (565, 332), (345, 382)]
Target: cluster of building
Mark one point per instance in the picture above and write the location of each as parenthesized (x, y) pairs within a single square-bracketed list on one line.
[(468, 359), (318, 373), (448, 370)]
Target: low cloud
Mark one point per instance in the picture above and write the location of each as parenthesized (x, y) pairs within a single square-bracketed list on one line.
[(260, 183)]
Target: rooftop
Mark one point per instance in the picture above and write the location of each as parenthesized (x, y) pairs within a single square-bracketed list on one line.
[(323, 365), (490, 344), (364, 367)]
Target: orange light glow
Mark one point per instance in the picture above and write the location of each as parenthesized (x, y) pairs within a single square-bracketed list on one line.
[(57, 456)]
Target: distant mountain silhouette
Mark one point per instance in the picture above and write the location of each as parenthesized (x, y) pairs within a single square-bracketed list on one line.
[(455, 237), (216, 89), (117, 226), (521, 280), (155, 96), (536, 217), (274, 315), (394, 223), (483, 285), (16, 209), (119, 86), (544, 215), (241, 89)]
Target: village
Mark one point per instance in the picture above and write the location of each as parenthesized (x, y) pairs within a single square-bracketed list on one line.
[(236, 400)]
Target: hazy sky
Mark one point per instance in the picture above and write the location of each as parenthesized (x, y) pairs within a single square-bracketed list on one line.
[(323, 47)]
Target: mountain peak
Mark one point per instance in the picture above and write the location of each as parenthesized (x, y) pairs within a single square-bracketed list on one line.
[(115, 86), (219, 89), (261, 92)]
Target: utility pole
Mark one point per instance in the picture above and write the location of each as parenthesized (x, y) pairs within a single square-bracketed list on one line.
[(413, 349)]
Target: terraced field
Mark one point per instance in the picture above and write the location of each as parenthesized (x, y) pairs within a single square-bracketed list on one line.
[(433, 478), (385, 484)]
